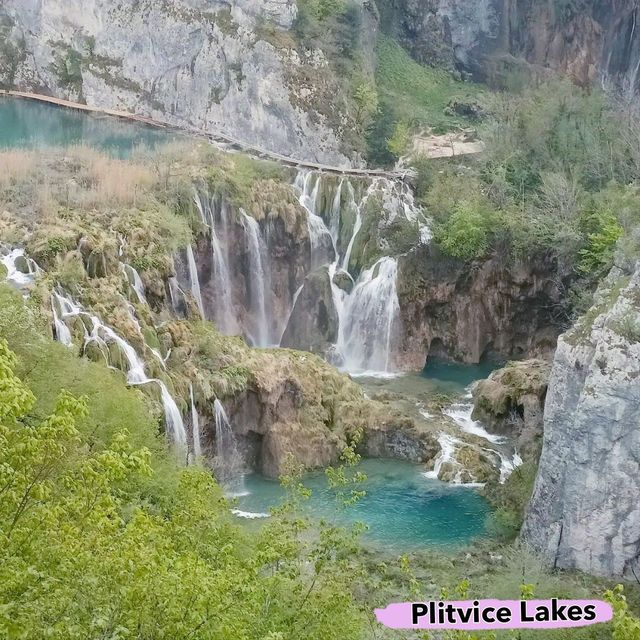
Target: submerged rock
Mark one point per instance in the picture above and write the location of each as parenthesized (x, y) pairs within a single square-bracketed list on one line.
[(585, 511)]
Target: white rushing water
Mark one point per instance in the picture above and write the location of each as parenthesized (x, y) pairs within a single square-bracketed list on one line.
[(195, 426), (134, 279), (259, 282), (96, 332), (20, 278), (368, 316), (194, 280), (228, 463), (215, 216), (368, 319), (460, 413)]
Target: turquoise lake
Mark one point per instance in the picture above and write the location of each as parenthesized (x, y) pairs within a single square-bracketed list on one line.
[(27, 124), (403, 509)]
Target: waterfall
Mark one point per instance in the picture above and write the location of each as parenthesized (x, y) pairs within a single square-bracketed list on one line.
[(446, 456), (460, 413), (259, 282), (228, 464), (368, 320), (195, 426), (15, 276), (61, 330), (319, 235), (193, 278), (368, 316), (222, 280), (134, 279), (101, 335)]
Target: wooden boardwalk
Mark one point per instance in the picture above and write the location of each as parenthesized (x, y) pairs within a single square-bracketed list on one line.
[(218, 138)]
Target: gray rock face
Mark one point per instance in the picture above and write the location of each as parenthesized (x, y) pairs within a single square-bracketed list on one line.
[(199, 63), (585, 510), (597, 42), (313, 324)]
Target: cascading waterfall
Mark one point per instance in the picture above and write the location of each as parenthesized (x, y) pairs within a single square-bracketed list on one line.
[(101, 335), (319, 234), (367, 320), (259, 282), (23, 277), (195, 426), (368, 316), (134, 279), (194, 279), (228, 463)]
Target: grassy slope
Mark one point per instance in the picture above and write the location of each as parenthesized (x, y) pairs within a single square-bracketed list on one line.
[(418, 94)]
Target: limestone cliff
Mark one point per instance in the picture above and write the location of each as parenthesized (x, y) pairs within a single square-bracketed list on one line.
[(198, 63), (591, 41), (585, 512), (469, 312)]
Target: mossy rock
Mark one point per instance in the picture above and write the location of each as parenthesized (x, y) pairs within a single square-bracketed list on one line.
[(117, 358), (22, 264), (343, 281), (511, 390), (95, 353)]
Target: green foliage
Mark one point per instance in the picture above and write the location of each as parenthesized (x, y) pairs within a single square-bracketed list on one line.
[(366, 100), (597, 256), (465, 235), (399, 141), (625, 626), (510, 500), (84, 554)]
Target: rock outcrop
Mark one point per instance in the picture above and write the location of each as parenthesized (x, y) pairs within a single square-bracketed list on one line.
[(511, 402), (585, 512), (469, 312), (200, 63), (313, 324)]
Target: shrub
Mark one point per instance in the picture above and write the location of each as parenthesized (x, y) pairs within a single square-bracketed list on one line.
[(466, 234)]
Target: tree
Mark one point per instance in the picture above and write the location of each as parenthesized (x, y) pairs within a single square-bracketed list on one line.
[(366, 99), (399, 141)]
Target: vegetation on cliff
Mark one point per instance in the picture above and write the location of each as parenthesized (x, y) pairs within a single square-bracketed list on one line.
[(559, 178)]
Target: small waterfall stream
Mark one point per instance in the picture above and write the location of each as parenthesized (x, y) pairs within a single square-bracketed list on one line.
[(19, 277), (194, 279), (259, 282), (195, 427), (64, 308), (228, 463), (134, 279)]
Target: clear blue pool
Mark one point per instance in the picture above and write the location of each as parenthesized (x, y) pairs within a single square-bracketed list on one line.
[(27, 124), (403, 509)]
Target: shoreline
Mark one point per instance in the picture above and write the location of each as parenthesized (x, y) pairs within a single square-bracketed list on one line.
[(215, 138)]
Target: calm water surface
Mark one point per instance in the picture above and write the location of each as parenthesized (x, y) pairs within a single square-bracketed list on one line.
[(27, 124)]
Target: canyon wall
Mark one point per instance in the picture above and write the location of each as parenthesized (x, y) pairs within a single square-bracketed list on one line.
[(592, 41), (585, 512), (495, 308)]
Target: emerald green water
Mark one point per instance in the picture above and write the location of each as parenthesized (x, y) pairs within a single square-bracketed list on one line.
[(403, 509), (454, 377), (26, 124)]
